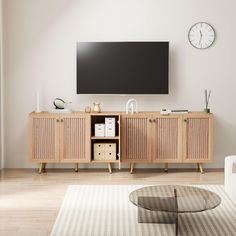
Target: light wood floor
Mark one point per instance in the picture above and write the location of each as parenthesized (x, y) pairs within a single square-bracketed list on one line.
[(29, 202)]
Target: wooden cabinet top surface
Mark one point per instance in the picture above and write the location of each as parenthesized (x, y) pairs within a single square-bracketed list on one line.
[(141, 113)]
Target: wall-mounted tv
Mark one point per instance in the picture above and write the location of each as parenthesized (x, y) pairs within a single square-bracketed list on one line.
[(122, 67)]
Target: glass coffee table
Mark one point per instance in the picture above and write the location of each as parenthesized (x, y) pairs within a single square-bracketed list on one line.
[(163, 203)]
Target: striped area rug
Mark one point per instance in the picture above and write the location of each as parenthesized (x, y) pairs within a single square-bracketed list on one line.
[(105, 210)]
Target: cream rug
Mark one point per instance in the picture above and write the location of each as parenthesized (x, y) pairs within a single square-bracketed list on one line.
[(105, 210)]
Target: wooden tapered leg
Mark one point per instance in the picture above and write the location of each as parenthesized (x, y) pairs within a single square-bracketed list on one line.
[(44, 167), (198, 168), (201, 168), (40, 168), (76, 167), (166, 167), (109, 168), (132, 168)]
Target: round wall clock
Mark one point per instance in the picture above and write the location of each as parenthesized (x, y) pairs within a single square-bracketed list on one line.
[(201, 35)]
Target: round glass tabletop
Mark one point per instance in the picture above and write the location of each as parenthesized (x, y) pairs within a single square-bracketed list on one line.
[(174, 198)]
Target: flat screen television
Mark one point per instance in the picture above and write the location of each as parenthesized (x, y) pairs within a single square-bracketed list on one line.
[(122, 67)]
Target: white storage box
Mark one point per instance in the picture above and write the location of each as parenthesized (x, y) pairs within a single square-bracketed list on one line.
[(110, 131), (110, 121), (110, 127), (99, 130)]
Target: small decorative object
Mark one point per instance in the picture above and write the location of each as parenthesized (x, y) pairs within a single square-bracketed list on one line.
[(60, 106), (37, 110), (59, 103), (87, 109), (201, 35), (131, 106), (97, 107), (165, 112), (207, 98)]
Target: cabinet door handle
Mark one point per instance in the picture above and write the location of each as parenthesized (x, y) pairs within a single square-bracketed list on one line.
[(186, 120), (61, 120), (154, 120), (150, 120), (58, 120)]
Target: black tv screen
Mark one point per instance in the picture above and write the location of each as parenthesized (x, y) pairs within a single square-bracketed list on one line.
[(122, 67)]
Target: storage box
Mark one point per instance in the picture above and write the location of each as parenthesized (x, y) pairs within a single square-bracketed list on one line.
[(100, 130), (110, 127), (110, 151), (110, 121), (99, 147), (110, 147), (98, 151), (110, 156), (104, 151), (110, 131), (98, 156)]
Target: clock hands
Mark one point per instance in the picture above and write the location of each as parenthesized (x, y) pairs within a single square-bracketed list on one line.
[(201, 33), (200, 37)]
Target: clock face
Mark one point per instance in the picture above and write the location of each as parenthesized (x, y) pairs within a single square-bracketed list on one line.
[(201, 35)]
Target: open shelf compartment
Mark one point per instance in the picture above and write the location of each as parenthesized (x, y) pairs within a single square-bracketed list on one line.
[(105, 141)]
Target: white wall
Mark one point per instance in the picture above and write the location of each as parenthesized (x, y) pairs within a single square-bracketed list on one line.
[(1, 94), (40, 49)]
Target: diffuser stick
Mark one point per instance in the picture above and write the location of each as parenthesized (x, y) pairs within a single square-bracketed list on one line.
[(207, 99)]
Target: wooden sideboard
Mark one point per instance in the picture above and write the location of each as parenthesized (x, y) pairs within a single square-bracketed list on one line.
[(154, 138), (145, 137)]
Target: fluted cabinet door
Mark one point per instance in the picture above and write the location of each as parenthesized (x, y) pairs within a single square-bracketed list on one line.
[(75, 138), (167, 143), (44, 139), (136, 138), (198, 139)]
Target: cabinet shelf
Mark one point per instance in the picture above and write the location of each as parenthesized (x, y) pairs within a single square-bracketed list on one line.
[(107, 137)]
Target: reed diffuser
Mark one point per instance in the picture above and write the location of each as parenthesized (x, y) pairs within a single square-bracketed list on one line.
[(207, 98)]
